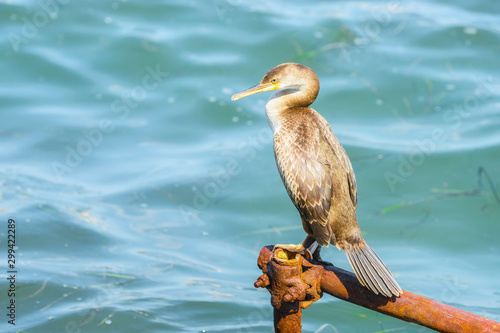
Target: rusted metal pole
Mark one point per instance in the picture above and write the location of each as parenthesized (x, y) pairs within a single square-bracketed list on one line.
[(305, 285), (294, 285)]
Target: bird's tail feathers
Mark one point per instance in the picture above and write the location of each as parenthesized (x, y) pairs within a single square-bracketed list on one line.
[(370, 270)]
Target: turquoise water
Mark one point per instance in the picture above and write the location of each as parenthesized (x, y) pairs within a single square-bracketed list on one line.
[(142, 195)]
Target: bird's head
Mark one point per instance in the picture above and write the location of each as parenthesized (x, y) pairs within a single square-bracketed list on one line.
[(289, 78)]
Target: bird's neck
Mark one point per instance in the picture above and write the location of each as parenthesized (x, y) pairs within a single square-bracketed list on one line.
[(284, 100)]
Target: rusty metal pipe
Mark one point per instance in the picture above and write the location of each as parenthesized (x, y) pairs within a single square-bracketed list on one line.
[(294, 285), (287, 311), (344, 285)]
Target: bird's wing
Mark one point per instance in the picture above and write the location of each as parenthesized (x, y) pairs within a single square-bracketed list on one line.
[(341, 155), (306, 173)]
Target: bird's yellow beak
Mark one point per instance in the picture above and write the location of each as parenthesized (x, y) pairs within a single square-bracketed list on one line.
[(255, 90)]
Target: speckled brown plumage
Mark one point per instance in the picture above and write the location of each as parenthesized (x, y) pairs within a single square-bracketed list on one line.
[(317, 175), (317, 172)]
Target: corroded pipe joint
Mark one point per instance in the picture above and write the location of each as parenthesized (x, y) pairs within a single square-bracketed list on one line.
[(286, 288), (295, 293), (292, 281), (262, 281), (311, 276)]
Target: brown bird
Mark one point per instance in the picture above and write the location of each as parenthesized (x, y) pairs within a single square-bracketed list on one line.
[(317, 173)]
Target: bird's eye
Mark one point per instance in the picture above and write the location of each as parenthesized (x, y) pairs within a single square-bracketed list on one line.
[(273, 81)]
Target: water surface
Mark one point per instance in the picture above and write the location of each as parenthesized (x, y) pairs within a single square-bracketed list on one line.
[(142, 195)]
